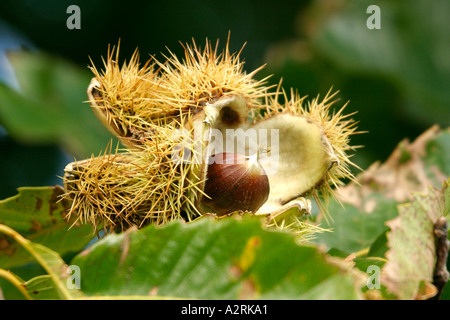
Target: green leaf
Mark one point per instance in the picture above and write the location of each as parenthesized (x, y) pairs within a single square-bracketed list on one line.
[(446, 292), (42, 288), (211, 259), (352, 228), (379, 246), (39, 215)]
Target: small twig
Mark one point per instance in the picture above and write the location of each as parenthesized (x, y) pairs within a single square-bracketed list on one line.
[(441, 275)]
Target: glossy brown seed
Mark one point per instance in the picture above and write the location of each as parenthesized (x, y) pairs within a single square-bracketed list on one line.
[(235, 183)]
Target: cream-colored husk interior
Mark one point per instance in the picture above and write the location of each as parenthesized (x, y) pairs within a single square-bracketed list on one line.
[(302, 158)]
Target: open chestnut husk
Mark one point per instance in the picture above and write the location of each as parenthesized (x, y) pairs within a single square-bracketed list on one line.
[(234, 183)]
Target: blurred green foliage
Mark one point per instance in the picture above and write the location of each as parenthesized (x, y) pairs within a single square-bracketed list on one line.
[(397, 77)]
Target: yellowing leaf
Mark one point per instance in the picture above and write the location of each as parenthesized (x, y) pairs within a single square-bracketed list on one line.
[(412, 167), (50, 260), (38, 214), (412, 250)]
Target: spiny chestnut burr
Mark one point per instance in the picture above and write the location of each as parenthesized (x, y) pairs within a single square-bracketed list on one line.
[(235, 183), (146, 107)]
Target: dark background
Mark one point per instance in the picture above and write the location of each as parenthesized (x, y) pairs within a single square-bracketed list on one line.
[(397, 78)]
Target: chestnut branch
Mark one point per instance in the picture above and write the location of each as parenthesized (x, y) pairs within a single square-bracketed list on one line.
[(440, 275)]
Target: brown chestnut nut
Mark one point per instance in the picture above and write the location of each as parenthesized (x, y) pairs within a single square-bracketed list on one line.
[(235, 183)]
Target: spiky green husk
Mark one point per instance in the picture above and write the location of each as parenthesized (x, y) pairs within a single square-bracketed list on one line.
[(336, 129), (134, 101), (124, 188), (145, 107)]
